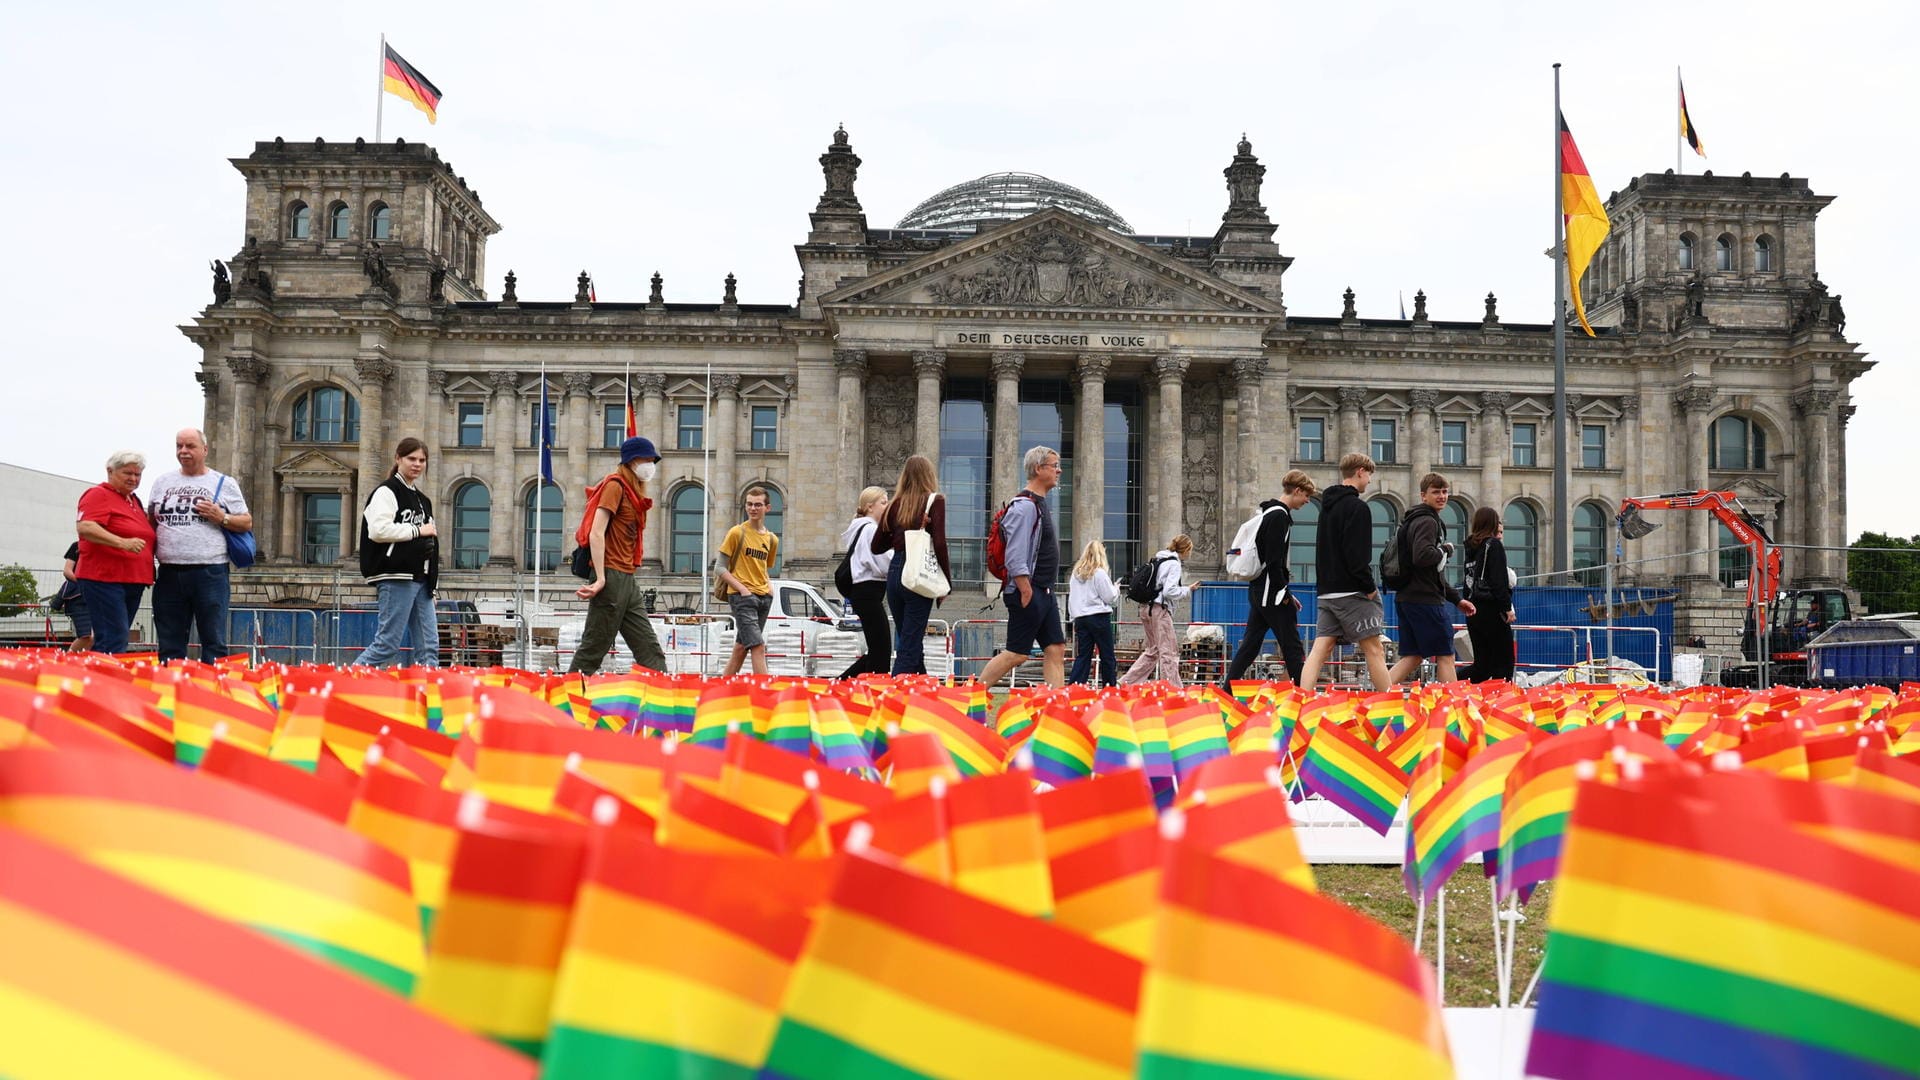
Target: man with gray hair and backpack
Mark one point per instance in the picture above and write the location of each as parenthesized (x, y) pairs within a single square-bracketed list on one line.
[(1269, 604), (1033, 565)]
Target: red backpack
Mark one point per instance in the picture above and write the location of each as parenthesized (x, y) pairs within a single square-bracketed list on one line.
[(997, 540), (581, 561)]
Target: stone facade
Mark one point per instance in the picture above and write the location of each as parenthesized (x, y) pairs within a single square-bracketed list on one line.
[(1171, 366)]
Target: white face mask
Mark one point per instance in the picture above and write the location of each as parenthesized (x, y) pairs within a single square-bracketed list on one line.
[(646, 470)]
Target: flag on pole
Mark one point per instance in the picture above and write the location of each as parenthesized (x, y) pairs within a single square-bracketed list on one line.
[(1586, 218), (546, 433), (1687, 130), (633, 417), (403, 80)]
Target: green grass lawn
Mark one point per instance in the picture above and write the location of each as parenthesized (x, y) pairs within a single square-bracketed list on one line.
[(1472, 977)]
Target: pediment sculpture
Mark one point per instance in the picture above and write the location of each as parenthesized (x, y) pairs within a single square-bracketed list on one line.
[(1053, 271)]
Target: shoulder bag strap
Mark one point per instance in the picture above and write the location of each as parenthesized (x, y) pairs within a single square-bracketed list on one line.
[(928, 512)]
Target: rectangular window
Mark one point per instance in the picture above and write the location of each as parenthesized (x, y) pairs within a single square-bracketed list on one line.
[(321, 538), (473, 423), (692, 424), (1525, 438), (966, 474), (1593, 446), (766, 428), (1313, 439), (1046, 419), (1121, 503), (1453, 442), (613, 426), (533, 425), (1384, 445)]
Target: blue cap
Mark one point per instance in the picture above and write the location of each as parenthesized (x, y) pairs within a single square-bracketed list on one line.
[(638, 447)]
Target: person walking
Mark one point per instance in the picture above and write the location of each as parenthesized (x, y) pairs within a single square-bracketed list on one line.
[(116, 551), (193, 508), (749, 552), (868, 592), (1426, 630), (400, 558), (73, 602), (1349, 601), (1160, 655), (1033, 566), (916, 504), (1091, 595), (615, 541), (1270, 605), (1490, 585)]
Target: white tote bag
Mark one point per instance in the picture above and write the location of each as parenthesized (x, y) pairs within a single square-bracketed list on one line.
[(920, 571)]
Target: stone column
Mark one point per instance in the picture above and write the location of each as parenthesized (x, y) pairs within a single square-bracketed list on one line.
[(1815, 410), (929, 371), (1008, 476), (1494, 447), (239, 436), (433, 406), (209, 409), (376, 454), (504, 482), (289, 546), (850, 369), (1422, 427), (1353, 430), (1249, 486), (580, 435), (725, 427), (1090, 451), (1169, 450), (1632, 454), (1572, 449), (652, 388), (1696, 402)]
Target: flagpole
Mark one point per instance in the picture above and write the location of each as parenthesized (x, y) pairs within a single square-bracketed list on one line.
[(1561, 477), (706, 491), (380, 90), (540, 494), (1679, 137)]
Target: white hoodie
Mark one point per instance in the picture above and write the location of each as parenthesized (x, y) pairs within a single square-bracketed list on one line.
[(866, 565)]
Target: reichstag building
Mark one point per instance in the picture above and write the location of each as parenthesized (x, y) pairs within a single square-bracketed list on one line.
[(1006, 311)]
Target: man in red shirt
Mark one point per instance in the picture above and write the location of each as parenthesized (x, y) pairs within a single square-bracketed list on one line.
[(116, 551)]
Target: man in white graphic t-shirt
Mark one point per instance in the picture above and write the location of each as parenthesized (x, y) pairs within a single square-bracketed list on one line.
[(192, 510)]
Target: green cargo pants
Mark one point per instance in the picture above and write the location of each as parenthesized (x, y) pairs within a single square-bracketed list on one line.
[(616, 609)]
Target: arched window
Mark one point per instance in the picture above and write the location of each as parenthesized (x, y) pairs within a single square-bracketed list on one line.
[(683, 525), (1302, 542), (540, 527), (1385, 514), (326, 414), (1736, 442), (339, 222), (472, 520), (1522, 540), (776, 519), (1723, 253), (1589, 542), (1455, 517), (380, 222), (300, 222), (320, 538), (1763, 255), (1686, 251)]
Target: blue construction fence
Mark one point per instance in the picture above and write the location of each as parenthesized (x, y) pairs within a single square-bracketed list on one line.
[(297, 635), (1580, 609)]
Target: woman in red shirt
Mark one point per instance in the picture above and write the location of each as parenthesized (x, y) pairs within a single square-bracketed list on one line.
[(116, 551)]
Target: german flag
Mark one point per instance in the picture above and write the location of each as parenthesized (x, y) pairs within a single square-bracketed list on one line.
[(1587, 224), (403, 80), (1687, 130)]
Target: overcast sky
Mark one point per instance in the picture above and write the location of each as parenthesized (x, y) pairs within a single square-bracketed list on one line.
[(1408, 146)]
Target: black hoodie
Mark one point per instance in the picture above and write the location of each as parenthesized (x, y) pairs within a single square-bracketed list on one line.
[(1344, 548)]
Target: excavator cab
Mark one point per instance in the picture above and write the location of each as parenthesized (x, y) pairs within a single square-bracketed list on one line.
[(1798, 616)]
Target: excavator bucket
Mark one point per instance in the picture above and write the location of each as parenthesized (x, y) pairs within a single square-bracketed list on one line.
[(1633, 526)]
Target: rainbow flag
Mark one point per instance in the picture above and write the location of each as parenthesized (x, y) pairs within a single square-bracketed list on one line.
[(1063, 748), (1533, 814), (834, 739), (1879, 771), (102, 976), (284, 782), (913, 761), (675, 963), (143, 731), (1150, 727), (1256, 832), (914, 831), (1678, 946), (999, 844), (1251, 977), (1779, 749), (773, 782), (1462, 821), (1109, 890), (790, 722), (696, 819), (1225, 779), (976, 749), (1353, 776), (1116, 747), (198, 708), (1080, 814), (395, 701), (1195, 735), (231, 852), (905, 977), (671, 702), (724, 707)]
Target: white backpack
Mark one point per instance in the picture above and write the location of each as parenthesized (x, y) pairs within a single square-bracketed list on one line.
[(1243, 557)]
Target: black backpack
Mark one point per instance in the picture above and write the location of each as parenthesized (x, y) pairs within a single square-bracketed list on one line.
[(1396, 562), (1143, 585)]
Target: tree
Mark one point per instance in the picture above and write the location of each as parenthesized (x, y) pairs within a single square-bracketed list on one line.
[(18, 590), (1886, 572)]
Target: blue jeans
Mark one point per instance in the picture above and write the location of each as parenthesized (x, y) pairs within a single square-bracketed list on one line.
[(112, 605), (910, 614), (190, 598), (1093, 633), (406, 609)]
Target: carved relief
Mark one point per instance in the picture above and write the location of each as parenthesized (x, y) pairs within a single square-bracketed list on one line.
[(1052, 271), (890, 404), (1200, 473)]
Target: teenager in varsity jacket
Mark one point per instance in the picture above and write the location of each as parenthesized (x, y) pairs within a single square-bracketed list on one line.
[(400, 557)]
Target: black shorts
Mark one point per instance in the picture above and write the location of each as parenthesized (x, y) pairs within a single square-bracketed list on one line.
[(1036, 623)]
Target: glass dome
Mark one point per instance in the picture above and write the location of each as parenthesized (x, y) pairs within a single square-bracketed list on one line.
[(1007, 196)]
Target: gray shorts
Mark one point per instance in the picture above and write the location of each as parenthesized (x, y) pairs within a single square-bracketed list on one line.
[(1351, 619), (749, 618)]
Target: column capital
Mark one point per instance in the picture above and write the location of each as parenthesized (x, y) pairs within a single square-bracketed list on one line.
[(209, 382), (651, 384), (726, 384), (436, 381), (1424, 398), (1247, 371), (930, 364), (247, 368), (1630, 405), (1089, 367), (1695, 399), (1008, 365), (851, 362), (1846, 414), (579, 383), (374, 370), (504, 382), (1170, 369), (1815, 401), (1495, 400), (1353, 397)]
